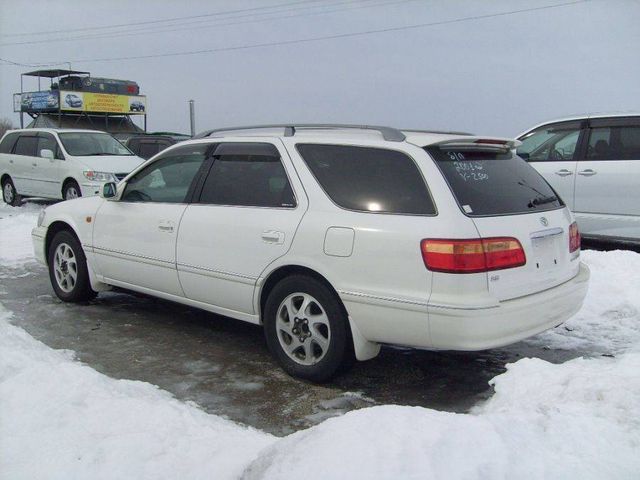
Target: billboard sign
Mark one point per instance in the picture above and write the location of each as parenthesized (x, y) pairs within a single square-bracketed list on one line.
[(102, 102), (36, 101)]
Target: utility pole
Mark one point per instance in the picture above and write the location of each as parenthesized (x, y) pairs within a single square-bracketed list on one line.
[(192, 116)]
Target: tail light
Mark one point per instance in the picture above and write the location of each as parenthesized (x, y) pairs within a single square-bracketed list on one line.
[(472, 256), (574, 237)]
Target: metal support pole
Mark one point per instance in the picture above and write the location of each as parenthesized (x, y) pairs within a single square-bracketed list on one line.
[(21, 92), (192, 117)]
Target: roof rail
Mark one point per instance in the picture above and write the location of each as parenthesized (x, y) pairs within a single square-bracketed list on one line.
[(438, 132), (388, 133)]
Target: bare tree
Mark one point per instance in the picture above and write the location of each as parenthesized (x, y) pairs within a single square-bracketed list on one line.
[(5, 124)]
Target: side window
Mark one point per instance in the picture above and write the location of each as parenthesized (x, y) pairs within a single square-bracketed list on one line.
[(549, 144), (6, 146), (168, 179), (369, 179), (247, 174), (47, 141), (26, 145), (148, 149), (614, 143)]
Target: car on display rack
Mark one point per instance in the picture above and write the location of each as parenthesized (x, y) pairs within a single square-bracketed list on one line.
[(303, 230), (593, 163), (60, 163)]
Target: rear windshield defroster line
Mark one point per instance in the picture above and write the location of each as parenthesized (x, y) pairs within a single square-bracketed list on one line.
[(494, 183)]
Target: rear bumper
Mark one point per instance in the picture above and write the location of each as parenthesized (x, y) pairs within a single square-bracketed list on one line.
[(510, 321), (423, 325)]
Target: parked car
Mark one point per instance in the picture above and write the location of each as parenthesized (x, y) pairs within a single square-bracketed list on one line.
[(72, 100), (336, 239), (146, 146), (136, 106), (60, 164), (593, 163)]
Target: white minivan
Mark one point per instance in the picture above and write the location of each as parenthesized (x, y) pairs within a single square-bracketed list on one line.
[(60, 163), (593, 163), (337, 239)]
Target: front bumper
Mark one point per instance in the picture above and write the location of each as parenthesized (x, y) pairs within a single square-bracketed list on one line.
[(38, 236), (90, 189), (510, 321)]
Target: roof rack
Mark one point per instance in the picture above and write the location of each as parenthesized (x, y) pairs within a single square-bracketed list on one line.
[(388, 133), (437, 132)]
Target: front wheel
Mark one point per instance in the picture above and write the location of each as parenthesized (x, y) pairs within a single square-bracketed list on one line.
[(68, 269), (306, 328), (9, 193), (71, 190)]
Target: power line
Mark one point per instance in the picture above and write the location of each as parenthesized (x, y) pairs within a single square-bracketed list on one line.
[(148, 22), (342, 6), (327, 37)]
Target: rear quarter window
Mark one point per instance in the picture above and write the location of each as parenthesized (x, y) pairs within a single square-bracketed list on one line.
[(490, 183), (369, 179)]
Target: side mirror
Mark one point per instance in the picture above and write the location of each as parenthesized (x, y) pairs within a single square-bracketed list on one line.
[(46, 153), (108, 191)]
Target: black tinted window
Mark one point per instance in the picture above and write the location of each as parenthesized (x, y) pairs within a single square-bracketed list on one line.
[(614, 143), (26, 145), (550, 144), (368, 179), (248, 174), (7, 142), (148, 149), (167, 179), (488, 183)]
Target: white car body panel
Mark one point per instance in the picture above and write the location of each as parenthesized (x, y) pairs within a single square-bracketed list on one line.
[(219, 258)]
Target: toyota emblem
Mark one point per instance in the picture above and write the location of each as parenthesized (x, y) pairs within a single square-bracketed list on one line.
[(544, 221)]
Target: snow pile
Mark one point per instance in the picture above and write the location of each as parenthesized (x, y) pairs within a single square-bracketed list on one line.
[(16, 248), (62, 419), (580, 419), (609, 321)]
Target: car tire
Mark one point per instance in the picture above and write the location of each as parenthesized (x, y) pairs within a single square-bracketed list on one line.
[(68, 269), (307, 329), (71, 190), (9, 193)]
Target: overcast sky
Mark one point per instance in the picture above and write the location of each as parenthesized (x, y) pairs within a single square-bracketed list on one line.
[(493, 75)]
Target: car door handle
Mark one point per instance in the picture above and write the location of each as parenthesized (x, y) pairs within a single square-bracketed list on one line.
[(273, 236), (587, 173), (34, 164), (10, 161), (564, 172)]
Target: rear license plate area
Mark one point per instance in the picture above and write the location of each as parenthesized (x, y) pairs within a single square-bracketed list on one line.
[(546, 250)]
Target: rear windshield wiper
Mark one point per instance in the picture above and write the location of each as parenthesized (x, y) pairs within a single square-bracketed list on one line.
[(542, 200)]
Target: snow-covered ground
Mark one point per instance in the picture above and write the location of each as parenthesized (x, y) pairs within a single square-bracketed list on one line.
[(580, 419)]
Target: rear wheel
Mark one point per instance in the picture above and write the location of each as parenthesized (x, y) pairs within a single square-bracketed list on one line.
[(71, 190), (68, 269), (306, 328), (9, 193)]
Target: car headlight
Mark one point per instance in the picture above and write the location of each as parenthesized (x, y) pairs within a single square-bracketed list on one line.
[(41, 217), (99, 176)]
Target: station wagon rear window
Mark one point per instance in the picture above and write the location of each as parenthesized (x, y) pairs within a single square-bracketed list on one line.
[(369, 179), (493, 183)]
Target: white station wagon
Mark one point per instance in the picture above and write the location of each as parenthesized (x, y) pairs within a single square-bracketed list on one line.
[(337, 239), (60, 163)]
